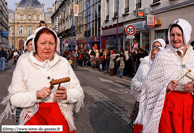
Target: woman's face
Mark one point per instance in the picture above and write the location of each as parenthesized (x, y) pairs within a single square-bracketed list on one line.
[(176, 37), (29, 46), (153, 54), (157, 44), (45, 47)]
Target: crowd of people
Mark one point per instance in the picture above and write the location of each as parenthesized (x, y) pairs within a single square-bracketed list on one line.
[(126, 62)]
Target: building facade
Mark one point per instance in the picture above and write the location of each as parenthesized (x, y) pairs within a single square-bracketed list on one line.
[(81, 14), (4, 25), (134, 12), (25, 20)]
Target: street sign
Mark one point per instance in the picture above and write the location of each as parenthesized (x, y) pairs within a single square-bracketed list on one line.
[(130, 30), (130, 37)]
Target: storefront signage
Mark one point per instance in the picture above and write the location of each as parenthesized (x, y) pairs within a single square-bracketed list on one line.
[(76, 10), (150, 20), (130, 37), (3, 33), (139, 26), (112, 31), (140, 13), (130, 30), (97, 39)]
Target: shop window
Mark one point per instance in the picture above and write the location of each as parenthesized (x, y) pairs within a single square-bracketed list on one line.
[(145, 40), (162, 34)]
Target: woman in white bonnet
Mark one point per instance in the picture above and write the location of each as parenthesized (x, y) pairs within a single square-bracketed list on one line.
[(30, 86), (166, 103), (28, 46), (136, 84), (157, 43)]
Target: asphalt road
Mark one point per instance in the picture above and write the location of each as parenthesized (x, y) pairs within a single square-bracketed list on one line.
[(107, 104)]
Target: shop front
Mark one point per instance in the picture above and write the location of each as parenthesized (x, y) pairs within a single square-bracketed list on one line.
[(141, 35), (109, 38)]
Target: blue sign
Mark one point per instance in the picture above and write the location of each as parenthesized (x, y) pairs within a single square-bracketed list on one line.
[(3, 33)]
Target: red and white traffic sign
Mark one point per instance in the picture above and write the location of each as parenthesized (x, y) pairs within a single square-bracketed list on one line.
[(130, 30)]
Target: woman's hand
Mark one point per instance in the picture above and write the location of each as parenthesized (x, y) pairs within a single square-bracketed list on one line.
[(172, 85), (43, 93), (188, 87), (61, 93)]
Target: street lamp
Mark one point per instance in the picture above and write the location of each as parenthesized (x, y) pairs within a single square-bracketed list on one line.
[(72, 27), (117, 24), (87, 25)]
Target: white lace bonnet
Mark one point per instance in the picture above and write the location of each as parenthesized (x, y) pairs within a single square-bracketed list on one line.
[(26, 42), (39, 29), (186, 28)]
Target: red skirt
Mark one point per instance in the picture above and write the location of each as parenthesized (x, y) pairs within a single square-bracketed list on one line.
[(49, 114), (177, 114)]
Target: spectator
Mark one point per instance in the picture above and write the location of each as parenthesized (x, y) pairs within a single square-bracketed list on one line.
[(192, 44), (3, 56)]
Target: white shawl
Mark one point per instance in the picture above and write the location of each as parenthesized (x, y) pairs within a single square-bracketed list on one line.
[(153, 92)]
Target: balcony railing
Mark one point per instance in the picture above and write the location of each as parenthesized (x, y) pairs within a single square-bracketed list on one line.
[(126, 9)]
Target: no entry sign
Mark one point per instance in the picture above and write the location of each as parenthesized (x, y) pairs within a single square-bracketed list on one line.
[(130, 30)]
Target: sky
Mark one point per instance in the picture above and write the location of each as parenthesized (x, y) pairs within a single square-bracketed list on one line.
[(48, 3)]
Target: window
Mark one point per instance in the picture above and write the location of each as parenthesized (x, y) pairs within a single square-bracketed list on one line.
[(155, 1), (115, 5), (107, 7), (37, 17), (126, 6), (138, 4), (126, 3), (29, 30), (21, 17), (21, 30)]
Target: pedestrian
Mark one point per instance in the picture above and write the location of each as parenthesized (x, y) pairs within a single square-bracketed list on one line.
[(84, 58), (28, 46), (101, 59), (136, 85), (121, 63), (42, 24), (135, 44), (192, 44), (15, 56), (166, 103), (3, 56), (74, 56), (30, 86)]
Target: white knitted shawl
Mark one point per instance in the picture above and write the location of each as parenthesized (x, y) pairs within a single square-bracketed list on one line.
[(163, 69)]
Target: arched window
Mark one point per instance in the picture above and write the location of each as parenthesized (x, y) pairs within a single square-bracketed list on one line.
[(29, 30), (21, 30)]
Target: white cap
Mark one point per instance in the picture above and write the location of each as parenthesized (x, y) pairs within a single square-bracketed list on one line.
[(161, 41), (186, 28), (28, 38), (39, 29)]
